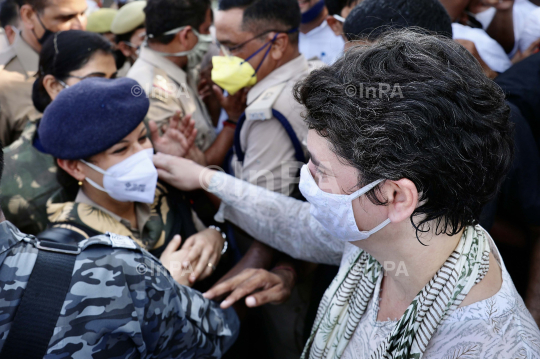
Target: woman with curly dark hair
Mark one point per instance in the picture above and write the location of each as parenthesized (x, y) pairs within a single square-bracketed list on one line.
[(408, 141)]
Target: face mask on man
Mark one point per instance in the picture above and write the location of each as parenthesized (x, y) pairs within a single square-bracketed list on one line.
[(334, 211), (132, 180), (48, 33), (313, 13), (196, 54), (233, 73)]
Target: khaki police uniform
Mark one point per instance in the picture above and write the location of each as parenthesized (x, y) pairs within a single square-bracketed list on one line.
[(270, 157), (170, 89), (271, 161), (18, 66)]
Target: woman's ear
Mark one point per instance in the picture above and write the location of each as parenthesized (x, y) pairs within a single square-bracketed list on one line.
[(52, 86), (73, 167), (279, 46), (402, 199)]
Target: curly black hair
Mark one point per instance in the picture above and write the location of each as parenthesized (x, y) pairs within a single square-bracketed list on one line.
[(433, 118)]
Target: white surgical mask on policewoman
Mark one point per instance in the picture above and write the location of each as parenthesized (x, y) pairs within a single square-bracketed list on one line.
[(196, 54), (132, 180), (335, 211)]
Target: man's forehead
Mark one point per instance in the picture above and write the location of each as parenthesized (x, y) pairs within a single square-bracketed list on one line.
[(229, 24), (66, 6)]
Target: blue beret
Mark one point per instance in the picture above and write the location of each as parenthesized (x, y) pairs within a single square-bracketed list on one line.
[(91, 117)]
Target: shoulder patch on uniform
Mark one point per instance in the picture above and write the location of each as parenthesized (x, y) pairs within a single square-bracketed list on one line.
[(119, 241), (261, 108), (161, 86)]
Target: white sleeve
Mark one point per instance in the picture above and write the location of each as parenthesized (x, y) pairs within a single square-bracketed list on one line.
[(279, 221), (530, 31)]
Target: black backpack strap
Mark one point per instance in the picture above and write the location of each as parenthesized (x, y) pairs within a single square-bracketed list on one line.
[(42, 301)]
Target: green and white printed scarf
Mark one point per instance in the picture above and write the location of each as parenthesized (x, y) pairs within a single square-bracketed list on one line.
[(346, 299)]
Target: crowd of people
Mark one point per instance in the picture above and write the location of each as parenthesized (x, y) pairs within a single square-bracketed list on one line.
[(270, 178)]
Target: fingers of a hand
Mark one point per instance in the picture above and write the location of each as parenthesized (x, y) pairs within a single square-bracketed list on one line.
[(225, 287), (165, 175), (173, 245), (245, 288), (276, 294), (154, 132), (163, 161), (183, 123), (219, 93), (178, 137), (194, 253), (175, 120), (204, 262), (191, 139), (214, 259)]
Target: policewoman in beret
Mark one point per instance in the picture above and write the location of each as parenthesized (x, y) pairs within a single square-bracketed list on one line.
[(96, 132)]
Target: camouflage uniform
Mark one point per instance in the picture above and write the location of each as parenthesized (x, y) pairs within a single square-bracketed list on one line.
[(18, 67), (121, 303), (29, 180), (169, 215)]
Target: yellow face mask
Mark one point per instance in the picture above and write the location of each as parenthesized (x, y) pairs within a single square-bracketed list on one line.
[(233, 73)]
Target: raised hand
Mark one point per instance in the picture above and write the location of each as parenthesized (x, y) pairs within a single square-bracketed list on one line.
[(178, 137)]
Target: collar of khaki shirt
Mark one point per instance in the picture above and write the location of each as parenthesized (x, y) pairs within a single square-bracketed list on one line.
[(159, 61), (26, 55), (142, 211), (281, 74)]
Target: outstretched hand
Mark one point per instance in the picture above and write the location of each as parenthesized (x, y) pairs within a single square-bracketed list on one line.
[(178, 137), (182, 173), (260, 285)]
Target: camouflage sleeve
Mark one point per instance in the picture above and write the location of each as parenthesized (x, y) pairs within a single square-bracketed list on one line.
[(125, 304), (184, 324)]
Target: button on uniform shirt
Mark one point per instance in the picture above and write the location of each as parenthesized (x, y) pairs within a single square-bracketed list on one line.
[(490, 51), (121, 303), (18, 66), (269, 153), (170, 89), (321, 42)]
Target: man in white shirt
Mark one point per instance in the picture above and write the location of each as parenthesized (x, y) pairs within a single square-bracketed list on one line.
[(317, 38), (489, 50)]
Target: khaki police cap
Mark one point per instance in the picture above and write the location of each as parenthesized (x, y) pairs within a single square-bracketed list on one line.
[(128, 18), (100, 21)]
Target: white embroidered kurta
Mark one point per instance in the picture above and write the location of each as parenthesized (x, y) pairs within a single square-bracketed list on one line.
[(498, 327)]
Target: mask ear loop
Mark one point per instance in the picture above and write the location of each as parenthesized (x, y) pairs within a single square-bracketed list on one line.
[(269, 45)]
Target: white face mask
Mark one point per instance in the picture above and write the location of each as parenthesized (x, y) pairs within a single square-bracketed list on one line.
[(335, 211), (196, 54), (132, 180)]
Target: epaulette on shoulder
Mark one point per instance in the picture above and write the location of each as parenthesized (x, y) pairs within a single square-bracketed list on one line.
[(261, 108), (110, 239)]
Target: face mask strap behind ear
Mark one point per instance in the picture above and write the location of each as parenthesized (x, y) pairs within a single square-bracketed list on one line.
[(269, 45), (92, 183)]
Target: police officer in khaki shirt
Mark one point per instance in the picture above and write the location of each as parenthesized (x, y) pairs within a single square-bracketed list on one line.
[(171, 53), (19, 63), (270, 144), (260, 39)]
